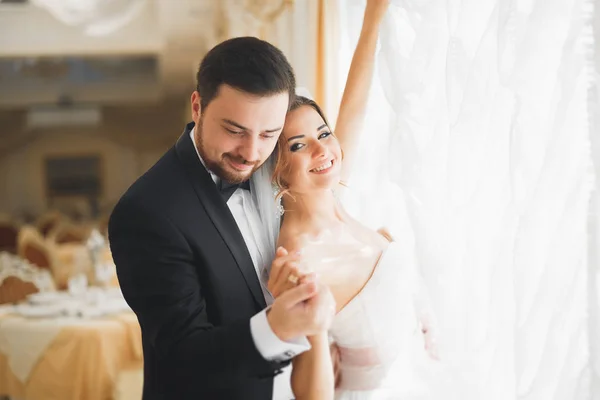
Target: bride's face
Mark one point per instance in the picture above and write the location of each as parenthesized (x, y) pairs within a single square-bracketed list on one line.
[(310, 152)]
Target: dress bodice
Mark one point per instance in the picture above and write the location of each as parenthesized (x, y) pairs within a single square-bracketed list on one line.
[(377, 331)]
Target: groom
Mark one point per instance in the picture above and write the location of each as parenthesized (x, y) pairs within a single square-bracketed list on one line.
[(190, 247)]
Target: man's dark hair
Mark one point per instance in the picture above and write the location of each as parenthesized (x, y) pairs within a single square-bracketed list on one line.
[(247, 64)]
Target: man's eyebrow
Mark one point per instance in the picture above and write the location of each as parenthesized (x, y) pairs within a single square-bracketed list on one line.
[(239, 126), (230, 122)]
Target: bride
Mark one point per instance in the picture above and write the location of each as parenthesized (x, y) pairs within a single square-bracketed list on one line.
[(382, 325)]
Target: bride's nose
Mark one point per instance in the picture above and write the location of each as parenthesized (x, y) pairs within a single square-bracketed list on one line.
[(319, 151)]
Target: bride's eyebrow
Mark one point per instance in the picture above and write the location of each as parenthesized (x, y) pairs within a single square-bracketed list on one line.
[(301, 136)]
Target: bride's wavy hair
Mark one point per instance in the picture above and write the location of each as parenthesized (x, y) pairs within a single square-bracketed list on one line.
[(282, 165)]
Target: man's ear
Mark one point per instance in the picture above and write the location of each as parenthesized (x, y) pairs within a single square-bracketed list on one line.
[(195, 106)]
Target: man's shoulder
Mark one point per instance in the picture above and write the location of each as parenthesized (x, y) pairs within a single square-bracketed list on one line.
[(156, 186)]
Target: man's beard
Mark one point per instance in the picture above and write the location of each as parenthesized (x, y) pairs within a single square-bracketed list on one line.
[(221, 167)]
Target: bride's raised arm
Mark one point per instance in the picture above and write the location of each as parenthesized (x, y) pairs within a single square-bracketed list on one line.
[(353, 106)]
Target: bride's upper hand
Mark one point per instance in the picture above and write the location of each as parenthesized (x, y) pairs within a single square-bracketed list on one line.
[(378, 3), (377, 8)]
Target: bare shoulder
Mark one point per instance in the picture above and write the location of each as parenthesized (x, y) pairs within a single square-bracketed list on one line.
[(290, 240), (381, 237)]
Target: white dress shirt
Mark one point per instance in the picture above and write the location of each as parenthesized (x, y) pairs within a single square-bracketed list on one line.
[(246, 215)]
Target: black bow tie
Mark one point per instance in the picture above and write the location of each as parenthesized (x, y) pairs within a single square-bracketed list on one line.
[(227, 188)]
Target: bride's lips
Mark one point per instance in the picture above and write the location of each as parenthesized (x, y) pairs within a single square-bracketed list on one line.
[(325, 170)]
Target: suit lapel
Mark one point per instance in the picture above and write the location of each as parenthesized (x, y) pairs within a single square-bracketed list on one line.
[(218, 212)]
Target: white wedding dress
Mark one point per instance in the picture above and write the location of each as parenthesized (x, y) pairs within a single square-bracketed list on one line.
[(381, 347)]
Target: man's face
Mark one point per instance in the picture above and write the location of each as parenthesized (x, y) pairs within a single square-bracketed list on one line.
[(237, 131)]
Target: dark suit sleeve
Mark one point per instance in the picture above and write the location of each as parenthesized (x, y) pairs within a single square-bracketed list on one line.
[(160, 284)]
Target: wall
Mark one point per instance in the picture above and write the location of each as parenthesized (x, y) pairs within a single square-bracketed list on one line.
[(27, 30), (22, 180), (134, 138)]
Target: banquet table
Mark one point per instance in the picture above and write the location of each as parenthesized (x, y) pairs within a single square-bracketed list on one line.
[(74, 348), (72, 258)]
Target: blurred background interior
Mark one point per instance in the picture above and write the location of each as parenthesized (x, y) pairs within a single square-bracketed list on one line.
[(93, 92)]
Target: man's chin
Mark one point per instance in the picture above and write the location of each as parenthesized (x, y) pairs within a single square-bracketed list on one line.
[(232, 175), (238, 178)]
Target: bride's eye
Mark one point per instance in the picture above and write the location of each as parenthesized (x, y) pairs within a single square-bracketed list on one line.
[(296, 146), (324, 135)]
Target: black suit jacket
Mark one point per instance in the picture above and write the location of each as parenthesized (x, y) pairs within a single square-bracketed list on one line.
[(186, 272)]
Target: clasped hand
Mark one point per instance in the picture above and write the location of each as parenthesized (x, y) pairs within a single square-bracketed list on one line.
[(302, 306)]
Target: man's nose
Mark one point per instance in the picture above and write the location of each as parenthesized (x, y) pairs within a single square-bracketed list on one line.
[(250, 150)]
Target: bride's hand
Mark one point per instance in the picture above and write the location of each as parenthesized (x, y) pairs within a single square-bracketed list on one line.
[(286, 272), (335, 360)]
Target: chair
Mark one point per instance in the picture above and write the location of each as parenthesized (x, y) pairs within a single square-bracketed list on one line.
[(8, 236), (14, 289), (32, 247), (19, 279), (47, 222), (69, 233)]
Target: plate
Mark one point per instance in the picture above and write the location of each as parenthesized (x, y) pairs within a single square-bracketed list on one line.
[(46, 297), (38, 311)]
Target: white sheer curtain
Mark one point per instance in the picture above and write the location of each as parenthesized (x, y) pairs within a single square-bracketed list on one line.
[(477, 149), (594, 222)]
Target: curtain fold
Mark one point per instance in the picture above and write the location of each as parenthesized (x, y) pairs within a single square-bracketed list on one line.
[(477, 149), (321, 58)]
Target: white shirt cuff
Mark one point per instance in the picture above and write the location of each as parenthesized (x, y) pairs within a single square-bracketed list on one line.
[(269, 345)]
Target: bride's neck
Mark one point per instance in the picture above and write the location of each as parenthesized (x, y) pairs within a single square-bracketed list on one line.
[(318, 210)]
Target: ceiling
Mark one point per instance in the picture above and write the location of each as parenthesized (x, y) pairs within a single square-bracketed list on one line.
[(152, 58), (132, 84)]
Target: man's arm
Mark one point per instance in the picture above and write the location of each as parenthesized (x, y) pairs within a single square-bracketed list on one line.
[(159, 281)]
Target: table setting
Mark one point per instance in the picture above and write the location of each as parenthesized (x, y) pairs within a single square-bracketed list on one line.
[(67, 344)]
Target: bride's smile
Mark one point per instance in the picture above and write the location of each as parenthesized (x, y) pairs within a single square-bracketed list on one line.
[(324, 168)]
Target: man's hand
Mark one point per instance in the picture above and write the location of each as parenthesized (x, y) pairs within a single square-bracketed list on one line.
[(304, 310)]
